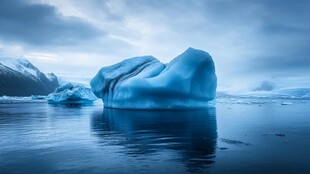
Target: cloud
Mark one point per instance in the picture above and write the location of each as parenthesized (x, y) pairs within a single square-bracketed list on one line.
[(41, 24), (249, 40)]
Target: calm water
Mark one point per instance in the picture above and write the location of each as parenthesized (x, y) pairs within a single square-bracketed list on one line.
[(233, 138)]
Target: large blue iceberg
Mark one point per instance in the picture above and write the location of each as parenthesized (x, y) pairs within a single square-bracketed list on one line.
[(187, 82), (70, 93)]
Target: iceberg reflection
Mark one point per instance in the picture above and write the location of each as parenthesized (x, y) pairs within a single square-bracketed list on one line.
[(189, 134)]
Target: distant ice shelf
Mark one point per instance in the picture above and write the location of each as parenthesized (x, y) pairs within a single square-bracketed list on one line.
[(302, 93), (187, 82)]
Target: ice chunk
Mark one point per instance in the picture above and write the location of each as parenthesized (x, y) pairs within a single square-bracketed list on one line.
[(38, 97), (187, 82), (71, 93), (15, 99), (286, 103)]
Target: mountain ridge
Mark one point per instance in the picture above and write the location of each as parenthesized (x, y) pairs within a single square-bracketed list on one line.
[(19, 77)]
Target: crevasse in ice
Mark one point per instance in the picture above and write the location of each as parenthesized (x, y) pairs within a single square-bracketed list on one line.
[(187, 82), (71, 93)]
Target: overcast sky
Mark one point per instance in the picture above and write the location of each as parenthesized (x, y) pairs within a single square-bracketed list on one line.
[(250, 41)]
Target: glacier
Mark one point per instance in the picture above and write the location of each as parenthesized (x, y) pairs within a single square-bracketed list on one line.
[(187, 82), (71, 93)]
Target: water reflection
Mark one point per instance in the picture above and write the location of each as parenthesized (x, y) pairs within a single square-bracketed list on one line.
[(190, 134), (70, 105)]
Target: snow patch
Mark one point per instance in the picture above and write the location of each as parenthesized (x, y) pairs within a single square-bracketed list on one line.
[(20, 65)]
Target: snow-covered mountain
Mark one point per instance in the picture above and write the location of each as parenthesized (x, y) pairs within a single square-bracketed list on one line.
[(19, 77)]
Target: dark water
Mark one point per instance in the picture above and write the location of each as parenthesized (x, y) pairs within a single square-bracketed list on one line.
[(233, 138)]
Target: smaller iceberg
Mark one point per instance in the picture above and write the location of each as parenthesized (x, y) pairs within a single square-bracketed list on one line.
[(70, 93)]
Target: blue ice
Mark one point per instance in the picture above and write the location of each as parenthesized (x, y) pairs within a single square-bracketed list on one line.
[(71, 93), (187, 82)]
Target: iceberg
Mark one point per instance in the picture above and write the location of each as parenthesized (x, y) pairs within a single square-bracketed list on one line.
[(71, 93), (187, 82)]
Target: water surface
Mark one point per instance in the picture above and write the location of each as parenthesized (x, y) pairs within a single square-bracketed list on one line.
[(231, 138)]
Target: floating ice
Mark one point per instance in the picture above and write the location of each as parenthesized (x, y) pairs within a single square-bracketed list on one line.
[(286, 103), (38, 97), (71, 93), (3, 98), (187, 82)]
